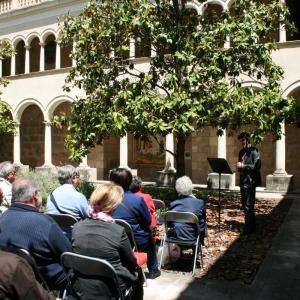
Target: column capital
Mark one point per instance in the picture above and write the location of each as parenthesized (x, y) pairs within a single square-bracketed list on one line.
[(27, 47), (47, 123), (42, 44)]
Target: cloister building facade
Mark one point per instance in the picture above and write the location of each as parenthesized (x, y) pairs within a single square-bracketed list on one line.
[(35, 93)]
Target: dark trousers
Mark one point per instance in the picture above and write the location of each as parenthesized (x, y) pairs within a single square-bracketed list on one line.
[(149, 248), (248, 202)]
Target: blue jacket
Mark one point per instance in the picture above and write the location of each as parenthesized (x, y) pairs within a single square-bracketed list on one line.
[(134, 210), (193, 205), (23, 226)]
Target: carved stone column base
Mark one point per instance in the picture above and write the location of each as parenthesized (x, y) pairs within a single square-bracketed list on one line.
[(166, 178), (87, 173), (227, 181), (282, 183), (20, 168), (46, 169)]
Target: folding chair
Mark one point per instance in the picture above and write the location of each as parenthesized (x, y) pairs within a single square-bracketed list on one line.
[(31, 261), (159, 204), (130, 235), (65, 222), (185, 218), (90, 268)]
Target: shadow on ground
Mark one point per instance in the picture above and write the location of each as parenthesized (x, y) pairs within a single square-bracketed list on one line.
[(232, 275)]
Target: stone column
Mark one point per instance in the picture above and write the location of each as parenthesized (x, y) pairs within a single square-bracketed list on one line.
[(280, 180), (132, 49), (0, 68), (124, 152), (57, 57), (169, 162), (282, 30), (17, 145), (13, 65), (280, 154), (48, 144), (167, 176), (73, 51), (27, 59), (84, 162), (227, 180), (222, 146), (42, 57)]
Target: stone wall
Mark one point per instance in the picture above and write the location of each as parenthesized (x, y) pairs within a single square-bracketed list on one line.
[(204, 144), (59, 152), (32, 134), (7, 146), (95, 160)]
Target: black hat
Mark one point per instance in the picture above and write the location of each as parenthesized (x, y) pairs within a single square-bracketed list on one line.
[(244, 135)]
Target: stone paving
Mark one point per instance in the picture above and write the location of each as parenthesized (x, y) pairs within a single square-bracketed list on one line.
[(278, 277)]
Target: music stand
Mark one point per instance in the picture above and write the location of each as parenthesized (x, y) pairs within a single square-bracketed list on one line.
[(220, 166)]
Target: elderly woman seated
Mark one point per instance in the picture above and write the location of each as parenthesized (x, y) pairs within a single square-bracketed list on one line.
[(134, 210), (187, 202), (99, 236)]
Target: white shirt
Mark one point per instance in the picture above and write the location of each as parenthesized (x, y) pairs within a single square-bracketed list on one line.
[(6, 187)]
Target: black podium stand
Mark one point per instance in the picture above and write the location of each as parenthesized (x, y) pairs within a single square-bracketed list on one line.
[(220, 166)]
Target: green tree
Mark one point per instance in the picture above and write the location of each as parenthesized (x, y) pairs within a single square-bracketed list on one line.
[(7, 126), (192, 80)]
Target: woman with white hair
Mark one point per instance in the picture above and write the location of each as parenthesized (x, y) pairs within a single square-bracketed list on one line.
[(187, 202)]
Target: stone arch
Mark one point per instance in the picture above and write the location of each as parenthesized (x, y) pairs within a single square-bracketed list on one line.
[(294, 8), (46, 33), (55, 107), (34, 54), (7, 142), (18, 111), (31, 36), (50, 52), (17, 39), (20, 57), (32, 135), (292, 138), (212, 3), (194, 5)]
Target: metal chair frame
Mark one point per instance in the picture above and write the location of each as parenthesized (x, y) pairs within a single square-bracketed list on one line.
[(185, 218), (159, 204), (25, 254), (130, 235), (90, 266)]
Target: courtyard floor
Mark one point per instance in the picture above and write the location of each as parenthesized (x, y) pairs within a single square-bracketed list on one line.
[(264, 265)]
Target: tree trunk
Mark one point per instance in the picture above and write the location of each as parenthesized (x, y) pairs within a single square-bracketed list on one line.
[(180, 148)]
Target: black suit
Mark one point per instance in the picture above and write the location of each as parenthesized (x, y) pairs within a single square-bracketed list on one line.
[(108, 241)]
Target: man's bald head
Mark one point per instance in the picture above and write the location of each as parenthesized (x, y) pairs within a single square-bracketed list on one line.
[(23, 190)]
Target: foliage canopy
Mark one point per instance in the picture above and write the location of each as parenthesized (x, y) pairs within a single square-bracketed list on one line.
[(7, 125), (193, 79)]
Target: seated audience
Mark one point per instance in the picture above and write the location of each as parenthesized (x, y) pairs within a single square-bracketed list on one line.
[(134, 210), (136, 188), (1, 199), (23, 226), (17, 280), (187, 202), (99, 236), (7, 177), (66, 199)]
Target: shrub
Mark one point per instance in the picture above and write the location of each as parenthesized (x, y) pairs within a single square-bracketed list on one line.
[(86, 188), (46, 182)]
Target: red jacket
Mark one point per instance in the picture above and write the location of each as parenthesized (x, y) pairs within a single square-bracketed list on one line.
[(149, 202)]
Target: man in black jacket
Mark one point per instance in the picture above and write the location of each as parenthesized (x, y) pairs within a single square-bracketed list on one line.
[(248, 165)]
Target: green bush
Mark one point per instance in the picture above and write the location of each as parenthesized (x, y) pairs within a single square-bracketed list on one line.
[(46, 183), (170, 194), (86, 188)]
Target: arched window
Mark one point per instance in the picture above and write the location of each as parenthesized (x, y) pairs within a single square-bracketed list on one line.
[(294, 8), (6, 66), (34, 58), (20, 57), (50, 52), (65, 52), (143, 47)]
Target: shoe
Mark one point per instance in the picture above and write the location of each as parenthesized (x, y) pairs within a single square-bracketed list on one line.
[(154, 275)]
